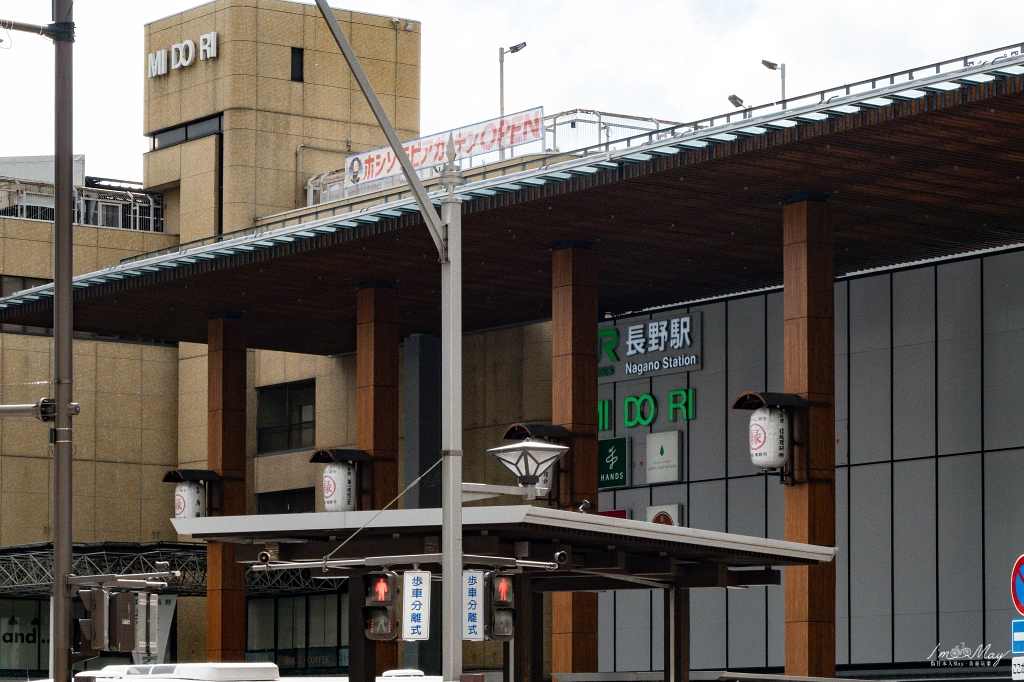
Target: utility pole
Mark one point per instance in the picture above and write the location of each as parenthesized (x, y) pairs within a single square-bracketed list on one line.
[(61, 409), (446, 232)]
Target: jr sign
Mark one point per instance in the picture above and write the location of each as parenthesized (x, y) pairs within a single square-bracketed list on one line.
[(665, 343)]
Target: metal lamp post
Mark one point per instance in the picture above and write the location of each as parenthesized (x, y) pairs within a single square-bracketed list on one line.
[(60, 410), (501, 81), (446, 231), (781, 68)]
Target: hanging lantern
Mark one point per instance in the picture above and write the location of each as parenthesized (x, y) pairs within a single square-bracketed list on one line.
[(340, 486), (769, 438), (189, 500)]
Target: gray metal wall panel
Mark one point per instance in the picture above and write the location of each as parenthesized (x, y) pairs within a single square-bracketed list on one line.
[(747, 615), (776, 594), (960, 555), (842, 561), (657, 598), (605, 632), (738, 421), (707, 505), (632, 630), (869, 313), (635, 501), (713, 316), (913, 400), (958, 399), (914, 570), (746, 363), (605, 500), (913, 306), (773, 342), (958, 299), (669, 494), (1004, 371), (870, 399), (870, 564), (707, 431), (707, 607), (842, 404), (958, 327), (1003, 283), (1004, 539)]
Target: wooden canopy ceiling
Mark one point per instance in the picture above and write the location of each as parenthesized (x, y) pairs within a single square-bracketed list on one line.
[(929, 177)]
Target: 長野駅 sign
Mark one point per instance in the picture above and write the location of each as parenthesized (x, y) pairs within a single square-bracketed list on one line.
[(664, 343)]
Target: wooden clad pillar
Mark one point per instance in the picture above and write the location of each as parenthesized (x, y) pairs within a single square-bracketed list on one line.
[(377, 415), (225, 578), (809, 280), (574, 406)]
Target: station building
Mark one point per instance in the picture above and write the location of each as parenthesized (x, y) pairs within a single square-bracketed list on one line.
[(862, 249)]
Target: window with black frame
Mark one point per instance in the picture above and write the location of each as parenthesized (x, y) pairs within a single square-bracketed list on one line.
[(286, 417)]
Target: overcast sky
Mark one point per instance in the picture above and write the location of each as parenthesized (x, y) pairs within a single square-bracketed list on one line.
[(671, 60)]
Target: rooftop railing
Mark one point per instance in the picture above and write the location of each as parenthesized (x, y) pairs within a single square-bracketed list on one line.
[(94, 205)]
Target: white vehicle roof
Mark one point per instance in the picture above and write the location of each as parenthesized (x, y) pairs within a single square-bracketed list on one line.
[(224, 672)]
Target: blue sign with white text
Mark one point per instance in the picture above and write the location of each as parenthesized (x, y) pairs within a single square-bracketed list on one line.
[(1017, 636)]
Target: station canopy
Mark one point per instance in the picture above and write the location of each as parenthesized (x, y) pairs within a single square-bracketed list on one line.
[(602, 552), (917, 165)]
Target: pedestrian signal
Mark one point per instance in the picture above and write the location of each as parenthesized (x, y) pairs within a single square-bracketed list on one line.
[(501, 611), (111, 622), (380, 615)]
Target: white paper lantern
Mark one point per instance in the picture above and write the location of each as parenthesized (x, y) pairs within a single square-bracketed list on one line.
[(769, 438), (340, 486), (189, 500)]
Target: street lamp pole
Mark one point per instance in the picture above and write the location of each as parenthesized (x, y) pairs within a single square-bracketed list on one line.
[(62, 32), (446, 231), (501, 83), (781, 68)]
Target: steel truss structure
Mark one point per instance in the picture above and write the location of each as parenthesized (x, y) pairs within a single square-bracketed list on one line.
[(27, 570)]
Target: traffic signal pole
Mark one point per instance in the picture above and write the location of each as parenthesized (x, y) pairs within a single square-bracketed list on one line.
[(62, 32)]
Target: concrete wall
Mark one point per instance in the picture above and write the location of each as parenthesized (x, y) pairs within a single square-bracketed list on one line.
[(267, 115), (126, 435)]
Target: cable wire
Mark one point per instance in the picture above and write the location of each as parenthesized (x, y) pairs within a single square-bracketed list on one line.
[(397, 497)]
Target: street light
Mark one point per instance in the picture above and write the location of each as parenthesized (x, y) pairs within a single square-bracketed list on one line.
[(735, 101), (781, 68), (528, 459), (501, 81)]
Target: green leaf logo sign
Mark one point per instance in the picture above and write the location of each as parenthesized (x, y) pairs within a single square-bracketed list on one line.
[(662, 453)]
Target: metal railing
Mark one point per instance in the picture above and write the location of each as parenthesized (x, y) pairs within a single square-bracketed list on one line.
[(901, 80), (572, 129), (95, 206)]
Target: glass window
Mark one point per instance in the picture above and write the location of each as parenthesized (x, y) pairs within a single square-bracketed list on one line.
[(298, 501), (111, 215), (297, 64), (203, 128), (261, 625), (22, 637), (286, 417)]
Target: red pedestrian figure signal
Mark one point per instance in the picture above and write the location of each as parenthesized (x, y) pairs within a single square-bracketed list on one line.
[(500, 625), (381, 589), (380, 615), (503, 589)]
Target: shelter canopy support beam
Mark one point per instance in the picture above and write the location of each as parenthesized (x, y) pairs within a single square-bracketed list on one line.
[(573, 401), (225, 591), (809, 343)]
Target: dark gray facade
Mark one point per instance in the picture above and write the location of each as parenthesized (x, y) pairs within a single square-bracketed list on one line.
[(929, 454)]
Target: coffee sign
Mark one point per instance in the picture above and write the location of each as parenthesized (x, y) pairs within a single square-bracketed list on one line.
[(665, 343)]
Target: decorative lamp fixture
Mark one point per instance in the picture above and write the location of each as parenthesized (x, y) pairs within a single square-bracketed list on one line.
[(528, 459), (735, 101)]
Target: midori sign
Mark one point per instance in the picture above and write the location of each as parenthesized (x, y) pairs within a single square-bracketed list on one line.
[(664, 343)]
